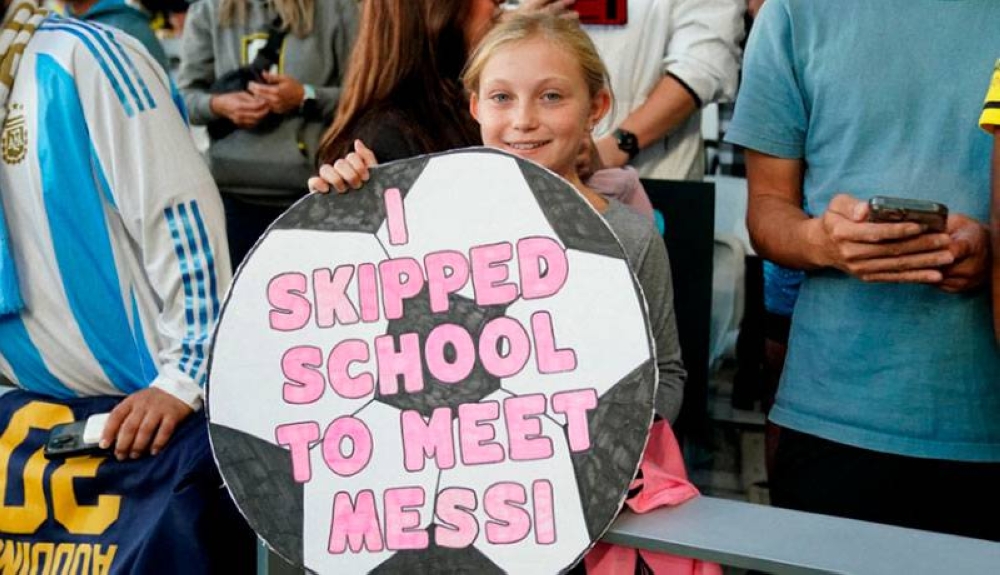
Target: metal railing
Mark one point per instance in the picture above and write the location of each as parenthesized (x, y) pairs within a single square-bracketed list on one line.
[(781, 542)]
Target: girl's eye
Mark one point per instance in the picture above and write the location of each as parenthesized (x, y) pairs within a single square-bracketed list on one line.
[(500, 98), (552, 96)]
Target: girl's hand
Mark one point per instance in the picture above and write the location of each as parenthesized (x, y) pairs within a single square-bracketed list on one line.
[(349, 172)]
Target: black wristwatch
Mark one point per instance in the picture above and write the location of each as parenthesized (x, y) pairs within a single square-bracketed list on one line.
[(627, 142)]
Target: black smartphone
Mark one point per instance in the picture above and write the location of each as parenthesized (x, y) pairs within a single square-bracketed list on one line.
[(76, 438), (885, 209)]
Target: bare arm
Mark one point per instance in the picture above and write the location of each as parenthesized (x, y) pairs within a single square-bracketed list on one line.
[(666, 108)]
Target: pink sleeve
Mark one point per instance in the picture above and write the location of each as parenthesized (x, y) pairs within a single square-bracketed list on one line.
[(623, 185)]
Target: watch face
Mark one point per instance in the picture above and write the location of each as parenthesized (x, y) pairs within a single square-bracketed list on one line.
[(627, 142)]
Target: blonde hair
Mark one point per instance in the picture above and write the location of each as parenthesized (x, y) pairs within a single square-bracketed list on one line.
[(563, 32), (297, 16)]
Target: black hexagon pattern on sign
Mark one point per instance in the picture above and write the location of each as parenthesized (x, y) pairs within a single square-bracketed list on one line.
[(362, 211), (417, 318)]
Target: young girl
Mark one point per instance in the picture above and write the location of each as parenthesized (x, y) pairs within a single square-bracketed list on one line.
[(537, 88)]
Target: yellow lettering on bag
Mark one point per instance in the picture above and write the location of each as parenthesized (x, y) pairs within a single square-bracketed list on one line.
[(10, 559), (102, 562), (81, 560), (81, 519), (41, 558), (27, 518), (63, 559)]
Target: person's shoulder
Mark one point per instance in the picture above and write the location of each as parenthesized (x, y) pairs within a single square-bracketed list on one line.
[(799, 8), (99, 57), (96, 37), (67, 41)]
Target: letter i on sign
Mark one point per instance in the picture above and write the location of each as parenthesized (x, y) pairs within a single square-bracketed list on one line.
[(395, 216)]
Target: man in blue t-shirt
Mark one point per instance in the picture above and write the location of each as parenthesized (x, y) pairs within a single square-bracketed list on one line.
[(890, 396)]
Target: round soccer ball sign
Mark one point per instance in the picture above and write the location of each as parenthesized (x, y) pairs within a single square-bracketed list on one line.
[(447, 371)]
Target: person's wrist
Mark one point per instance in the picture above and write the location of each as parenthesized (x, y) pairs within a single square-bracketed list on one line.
[(821, 247), (610, 155), (308, 95), (213, 105), (627, 142)]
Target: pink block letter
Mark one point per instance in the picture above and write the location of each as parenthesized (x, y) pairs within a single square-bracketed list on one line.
[(454, 336), (489, 274), (290, 309), (524, 429), (303, 381), (338, 366), (333, 305), (509, 523), (431, 439), (401, 521), (447, 272), (534, 254), (355, 524), (401, 279), (549, 358), (457, 526), (511, 331), (575, 405), (368, 292), (395, 216), (393, 364), (477, 440), (545, 518), (298, 436), (342, 428)]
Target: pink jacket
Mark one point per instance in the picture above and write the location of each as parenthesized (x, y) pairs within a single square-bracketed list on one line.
[(663, 482), (623, 185)]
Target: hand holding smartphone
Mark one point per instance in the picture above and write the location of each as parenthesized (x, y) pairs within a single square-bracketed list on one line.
[(77, 438), (894, 210)]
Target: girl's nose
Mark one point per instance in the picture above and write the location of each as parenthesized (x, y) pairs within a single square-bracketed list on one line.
[(526, 116)]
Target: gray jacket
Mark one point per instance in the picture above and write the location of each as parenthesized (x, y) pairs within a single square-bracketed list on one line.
[(320, 59)]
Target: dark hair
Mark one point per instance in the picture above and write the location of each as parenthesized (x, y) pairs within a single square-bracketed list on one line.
[(408, 56)]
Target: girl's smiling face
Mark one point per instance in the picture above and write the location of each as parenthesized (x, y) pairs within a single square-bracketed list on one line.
[(533, 102)]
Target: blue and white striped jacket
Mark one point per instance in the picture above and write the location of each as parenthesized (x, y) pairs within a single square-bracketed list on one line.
[(115, 223)]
